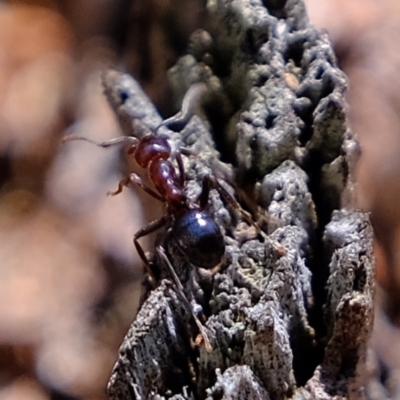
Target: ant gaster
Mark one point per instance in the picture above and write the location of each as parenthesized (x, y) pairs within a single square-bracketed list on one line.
[(196, 234)]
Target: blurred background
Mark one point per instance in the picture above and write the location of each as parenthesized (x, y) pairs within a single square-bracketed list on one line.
[(69, 275)]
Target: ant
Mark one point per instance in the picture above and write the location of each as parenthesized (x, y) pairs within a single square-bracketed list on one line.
[(195, 233)]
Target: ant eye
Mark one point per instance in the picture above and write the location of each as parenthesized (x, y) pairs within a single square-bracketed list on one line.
[(123, 95)]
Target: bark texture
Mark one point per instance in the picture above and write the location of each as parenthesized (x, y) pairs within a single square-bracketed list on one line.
[(289, 316)]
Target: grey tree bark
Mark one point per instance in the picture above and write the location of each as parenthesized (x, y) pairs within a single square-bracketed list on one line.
[(290, 316)]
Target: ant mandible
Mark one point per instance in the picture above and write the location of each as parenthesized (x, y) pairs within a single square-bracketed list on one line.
[(195, 232)]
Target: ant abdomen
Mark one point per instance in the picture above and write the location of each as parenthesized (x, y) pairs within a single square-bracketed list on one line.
[(199, 238)]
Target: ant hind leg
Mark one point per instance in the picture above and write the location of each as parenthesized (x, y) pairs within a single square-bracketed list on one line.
[(162, 254), (210, 182)]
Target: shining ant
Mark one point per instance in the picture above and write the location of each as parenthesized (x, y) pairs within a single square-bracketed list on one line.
[(194, 231)]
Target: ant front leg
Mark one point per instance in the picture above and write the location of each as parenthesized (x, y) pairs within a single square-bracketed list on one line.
[(149, 228), (133, 178), (181, 168), (178, 157)]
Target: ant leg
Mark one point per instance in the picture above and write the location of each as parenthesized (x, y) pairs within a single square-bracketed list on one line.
[(149, 228), (209, 183), (178, 157), (205, 192), (212, 183), (181, 168), (161, 252), (108, 143), (135, 179)]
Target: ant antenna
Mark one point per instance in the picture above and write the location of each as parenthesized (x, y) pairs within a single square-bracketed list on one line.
[(108, 143), (189, 103)]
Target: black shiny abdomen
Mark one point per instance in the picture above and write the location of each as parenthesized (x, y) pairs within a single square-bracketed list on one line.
[(199, 238)]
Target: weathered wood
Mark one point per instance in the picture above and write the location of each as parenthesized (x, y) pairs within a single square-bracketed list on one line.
[(291, 324)]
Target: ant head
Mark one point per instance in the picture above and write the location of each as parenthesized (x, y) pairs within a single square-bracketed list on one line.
[(151, 148)]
